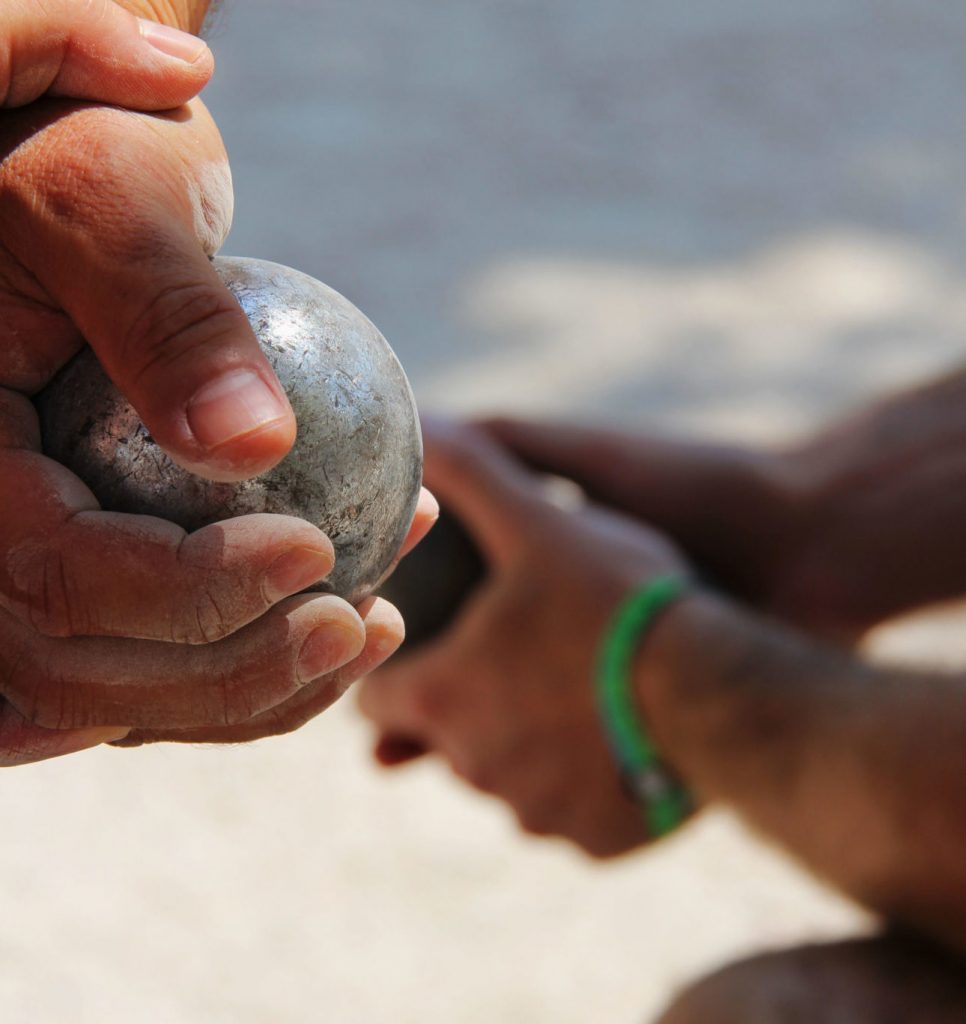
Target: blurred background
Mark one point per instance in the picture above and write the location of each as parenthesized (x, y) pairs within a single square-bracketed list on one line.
[(736, 216)]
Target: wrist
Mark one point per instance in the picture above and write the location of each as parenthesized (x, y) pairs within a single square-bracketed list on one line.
[(702, 682), (667, 665), (726, 691), (664, 801)]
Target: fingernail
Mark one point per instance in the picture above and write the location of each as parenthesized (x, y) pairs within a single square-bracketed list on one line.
[(432, 505), (107, 734), (172, 41), (232, 406), (83, 739), (326, 649), (295, 570)]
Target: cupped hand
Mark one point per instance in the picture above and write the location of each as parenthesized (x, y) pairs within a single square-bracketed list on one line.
[(506, 695), (125, 628), (112, 625)]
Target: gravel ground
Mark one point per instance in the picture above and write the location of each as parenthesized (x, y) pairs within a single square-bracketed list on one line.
[(736, 216)]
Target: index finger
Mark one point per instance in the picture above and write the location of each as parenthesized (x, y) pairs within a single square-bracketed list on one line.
[(97, 51), (492, 494)]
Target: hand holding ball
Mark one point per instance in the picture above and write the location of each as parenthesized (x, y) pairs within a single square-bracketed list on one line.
[(356, 467)]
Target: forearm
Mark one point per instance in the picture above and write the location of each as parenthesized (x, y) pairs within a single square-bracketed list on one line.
[(861, 774), (884, 500), (857, 524)]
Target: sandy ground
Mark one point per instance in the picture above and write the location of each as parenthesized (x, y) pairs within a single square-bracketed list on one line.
[(736, 216)]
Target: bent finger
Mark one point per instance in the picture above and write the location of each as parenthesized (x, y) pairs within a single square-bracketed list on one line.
[(491, 493), (86, 682), (425, 516), (391, 751), (384, 634), (71, 569), (97, 51), (24, 743), (408, 698)]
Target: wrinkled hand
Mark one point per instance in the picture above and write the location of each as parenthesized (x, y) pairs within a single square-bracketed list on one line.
[(506, 695), (110, 623)]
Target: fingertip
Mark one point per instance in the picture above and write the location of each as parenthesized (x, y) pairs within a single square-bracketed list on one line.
[(424, 519), (248, 456), (107, 54), (34, 743), (108, 734), (427, 506), (338, 639), (393, 751), (172, 42), (169, 79), (384, 624), (296, 569), (243, 423)]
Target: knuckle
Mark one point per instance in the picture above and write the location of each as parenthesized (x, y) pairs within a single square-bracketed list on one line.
[(171, 325), (208, 621), (429, 704), (41, 695), (478, 774), (50, 600), (236, 703)]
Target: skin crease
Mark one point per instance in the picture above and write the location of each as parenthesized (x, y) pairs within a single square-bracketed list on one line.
[(816, 749), (185, 637)]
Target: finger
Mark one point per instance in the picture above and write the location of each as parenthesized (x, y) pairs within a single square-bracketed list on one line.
[(424, 518), (408, 699), (23, 743), (489, 492), (426, 514), (72, 570), (384, 634), (607, 463), (667, 481), (392, 751), (97, 51), (123, 252), (86, 682), (19, 426)]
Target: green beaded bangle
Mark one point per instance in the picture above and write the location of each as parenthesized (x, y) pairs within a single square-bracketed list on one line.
[(665, 801)]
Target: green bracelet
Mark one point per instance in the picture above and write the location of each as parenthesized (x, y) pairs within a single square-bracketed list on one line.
[(665, 801)]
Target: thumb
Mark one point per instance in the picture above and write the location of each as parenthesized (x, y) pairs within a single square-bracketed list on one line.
[(113, 233), (97, 51), (177, 344)]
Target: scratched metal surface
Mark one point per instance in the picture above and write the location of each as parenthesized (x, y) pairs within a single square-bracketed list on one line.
[(355, 468)]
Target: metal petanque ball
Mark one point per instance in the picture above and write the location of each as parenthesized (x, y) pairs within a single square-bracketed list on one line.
[(356, 466)]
